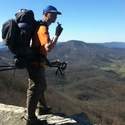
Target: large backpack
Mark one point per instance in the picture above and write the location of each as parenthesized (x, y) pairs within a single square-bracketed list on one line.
[(18, 32)]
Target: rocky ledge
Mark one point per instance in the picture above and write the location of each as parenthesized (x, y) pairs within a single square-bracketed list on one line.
[(14, 115)]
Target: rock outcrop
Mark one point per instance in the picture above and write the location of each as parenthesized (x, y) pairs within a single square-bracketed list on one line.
[(14, 115)]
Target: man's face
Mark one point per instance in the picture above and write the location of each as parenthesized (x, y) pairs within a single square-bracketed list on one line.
[(51, 17)]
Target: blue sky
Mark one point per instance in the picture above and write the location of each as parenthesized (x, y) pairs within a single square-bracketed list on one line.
[(85, 20)]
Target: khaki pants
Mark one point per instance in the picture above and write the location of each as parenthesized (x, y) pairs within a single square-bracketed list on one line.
[(36, 89)]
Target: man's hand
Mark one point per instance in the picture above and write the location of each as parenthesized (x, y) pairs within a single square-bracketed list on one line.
[(59, 29), (48, 47)]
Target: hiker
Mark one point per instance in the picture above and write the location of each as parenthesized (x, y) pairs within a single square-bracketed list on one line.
[(41, 44)]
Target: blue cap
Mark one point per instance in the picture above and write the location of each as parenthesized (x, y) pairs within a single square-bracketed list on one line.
[(51, 9)]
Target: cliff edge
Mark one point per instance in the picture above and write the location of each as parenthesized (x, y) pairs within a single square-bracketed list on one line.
[(14, 115)]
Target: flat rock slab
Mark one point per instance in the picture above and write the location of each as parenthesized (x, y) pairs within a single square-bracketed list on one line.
[(14, 115), (11, 115), (57, 120)]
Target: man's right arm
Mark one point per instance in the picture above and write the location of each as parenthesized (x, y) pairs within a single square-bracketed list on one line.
[(45, 40)]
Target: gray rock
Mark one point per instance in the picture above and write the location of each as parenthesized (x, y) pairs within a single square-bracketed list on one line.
[(14, 115)]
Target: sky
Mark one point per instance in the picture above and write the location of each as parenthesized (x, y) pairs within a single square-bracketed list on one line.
[(91, 21)]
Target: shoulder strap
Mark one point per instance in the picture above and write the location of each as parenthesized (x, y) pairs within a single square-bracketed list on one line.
[(40, 22)]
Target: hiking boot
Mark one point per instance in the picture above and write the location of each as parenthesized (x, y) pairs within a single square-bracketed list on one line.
[(44, 110), (36, 121)]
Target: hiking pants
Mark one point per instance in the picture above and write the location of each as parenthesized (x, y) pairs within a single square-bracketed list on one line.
[(35, 92)]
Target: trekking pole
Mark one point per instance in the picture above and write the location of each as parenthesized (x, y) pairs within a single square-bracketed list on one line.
[(7, 67), (61, 66), (11, 68)]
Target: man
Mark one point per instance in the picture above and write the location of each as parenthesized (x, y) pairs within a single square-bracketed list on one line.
[(41, 44)]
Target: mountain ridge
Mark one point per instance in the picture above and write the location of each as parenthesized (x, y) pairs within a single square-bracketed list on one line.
[(113, 44)]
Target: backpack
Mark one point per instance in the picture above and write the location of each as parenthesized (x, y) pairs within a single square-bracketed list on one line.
[(18, 32)]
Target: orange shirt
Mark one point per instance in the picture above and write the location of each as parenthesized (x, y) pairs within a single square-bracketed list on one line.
[(43, 35), (41, 38)]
